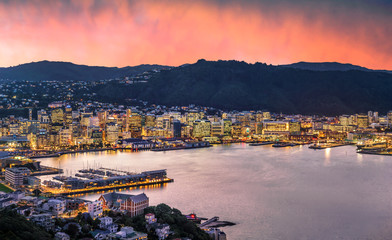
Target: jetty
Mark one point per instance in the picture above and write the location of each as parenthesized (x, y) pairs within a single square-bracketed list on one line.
[(327, 145)]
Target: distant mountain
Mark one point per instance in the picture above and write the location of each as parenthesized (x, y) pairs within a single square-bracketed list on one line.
[(329, 88), (329, 66), (243, 86), (60, 71)]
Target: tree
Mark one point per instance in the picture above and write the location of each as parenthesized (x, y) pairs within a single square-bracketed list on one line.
[(86, 228), (36, 192), (72, 230), (27, 213), (96, 223)]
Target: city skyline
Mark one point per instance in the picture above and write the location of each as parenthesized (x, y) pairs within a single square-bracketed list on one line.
[(123, 33)]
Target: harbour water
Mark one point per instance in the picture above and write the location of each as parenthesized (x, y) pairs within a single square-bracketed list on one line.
[(270, 193)]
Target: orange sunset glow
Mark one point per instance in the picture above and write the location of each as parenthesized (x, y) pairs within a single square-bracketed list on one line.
[(122, 33)]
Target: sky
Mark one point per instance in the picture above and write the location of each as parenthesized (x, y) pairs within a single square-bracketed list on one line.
[(127, 33)]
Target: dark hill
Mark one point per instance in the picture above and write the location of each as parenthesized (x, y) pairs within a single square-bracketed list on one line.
[(239, 85), (60, 71), (329, 66)]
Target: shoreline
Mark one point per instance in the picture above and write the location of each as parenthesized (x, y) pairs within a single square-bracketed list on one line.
[(107, 188)]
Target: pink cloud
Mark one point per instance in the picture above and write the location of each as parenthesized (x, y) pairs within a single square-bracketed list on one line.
[(121, 33)]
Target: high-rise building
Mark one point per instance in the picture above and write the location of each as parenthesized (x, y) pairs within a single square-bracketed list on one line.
[(30, 114), (111, 133), (150, 120), (227, 129), (127, 122), (176, 128), (57, 116), (375, 116), (389, 116), (68, 115)]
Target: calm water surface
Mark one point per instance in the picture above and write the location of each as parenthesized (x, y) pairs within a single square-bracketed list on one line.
[(271, 193)]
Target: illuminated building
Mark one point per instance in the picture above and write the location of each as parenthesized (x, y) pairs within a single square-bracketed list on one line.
[(95, 209), (135, 121), (102, 116), (30, 114), (153, 132), (362, 121), (201, 128), (57, 116), (150, 120), (389, 116), (68, 114), (344, 120), (85, 119), (243, 119), (150, 218), (294, 126), (14, 129), (259, 128), (227, 129), (216, 129), (236, 130), (266, 115), (111, 133), (16, 176), (133, 204), (275, 126), (192, 117), (96, 136), (127, 116), (176, 128), (65, 136)]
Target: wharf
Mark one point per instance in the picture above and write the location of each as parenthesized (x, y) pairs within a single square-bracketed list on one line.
[(316, 147), (382, 153), (177, 148), (45, 170), (58, 154), (112, 187), (260, 143), (214, 223)]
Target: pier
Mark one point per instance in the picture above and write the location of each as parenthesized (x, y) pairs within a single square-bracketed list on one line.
[(324, 146), (104, 179), (111, 187), (214, 223)]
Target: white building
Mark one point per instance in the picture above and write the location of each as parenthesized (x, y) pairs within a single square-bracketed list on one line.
[(150, 218), (55, 205), (162, 231), (95, 209), (107, 223), (65, 136), (16, 176), (129, 234)]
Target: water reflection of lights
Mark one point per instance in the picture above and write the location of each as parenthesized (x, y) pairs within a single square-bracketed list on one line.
[(128, 189), (327, 155), (359, 158)]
